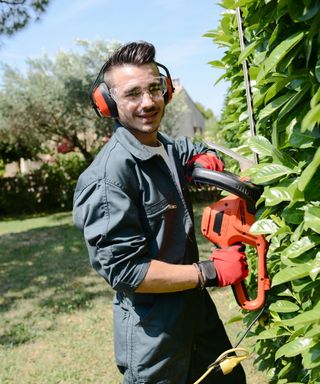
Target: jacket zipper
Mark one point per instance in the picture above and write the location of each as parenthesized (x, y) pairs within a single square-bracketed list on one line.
[(168, 207)]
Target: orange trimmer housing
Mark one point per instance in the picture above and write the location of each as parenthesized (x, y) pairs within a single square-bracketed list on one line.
[(228, 221)]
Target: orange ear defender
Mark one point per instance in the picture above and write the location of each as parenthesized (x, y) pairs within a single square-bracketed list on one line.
[(103, 103)]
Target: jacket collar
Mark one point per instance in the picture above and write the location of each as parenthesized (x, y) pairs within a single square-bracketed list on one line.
[(133, 145)]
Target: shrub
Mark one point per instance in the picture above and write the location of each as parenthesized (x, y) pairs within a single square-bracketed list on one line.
[(282, 48), (47, 189)]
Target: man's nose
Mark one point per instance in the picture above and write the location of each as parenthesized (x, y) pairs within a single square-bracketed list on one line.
[(146, 99)]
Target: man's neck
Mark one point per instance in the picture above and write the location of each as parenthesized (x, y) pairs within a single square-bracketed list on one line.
[(150, 139)]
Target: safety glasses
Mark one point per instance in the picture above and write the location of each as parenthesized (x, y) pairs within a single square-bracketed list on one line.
[(132, 92)]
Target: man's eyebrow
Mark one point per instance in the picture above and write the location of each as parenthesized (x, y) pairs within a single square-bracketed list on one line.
[(131, 88)]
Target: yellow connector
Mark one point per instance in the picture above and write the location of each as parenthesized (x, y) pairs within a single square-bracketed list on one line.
[(230, 362), (225, 362)]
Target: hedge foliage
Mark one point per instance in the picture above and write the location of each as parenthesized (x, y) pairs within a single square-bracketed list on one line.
[(282, 39), (47, 189)]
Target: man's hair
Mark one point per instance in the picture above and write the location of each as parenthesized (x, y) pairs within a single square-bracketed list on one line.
[(136, 53)]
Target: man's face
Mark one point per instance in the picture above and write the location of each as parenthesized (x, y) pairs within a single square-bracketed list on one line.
[(138, 92)]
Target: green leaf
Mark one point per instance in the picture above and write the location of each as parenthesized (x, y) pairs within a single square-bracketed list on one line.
[(293, 101), (276, 87), (312, 217), (301, 246), (289, 192), (279, 52), (264, 226), (307, 317), (273, 106), (291, 273), (302, 10), (234, 319), (217, 64), (300, 139), (272, 333), (276, 195), (313, 331), (248, 50), (309, 171), (315, 98), (316, 267), (305, 285), (260, 145), (311, 357), (292, 215), (317, 68), (285, 306), (311, 119), (295, 347), (264, 173)]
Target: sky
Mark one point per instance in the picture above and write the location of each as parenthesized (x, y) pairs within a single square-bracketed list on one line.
[(175, 27)]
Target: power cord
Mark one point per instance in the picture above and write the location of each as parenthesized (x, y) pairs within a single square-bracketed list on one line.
[(232, 357)]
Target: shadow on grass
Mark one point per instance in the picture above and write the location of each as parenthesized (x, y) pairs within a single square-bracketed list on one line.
[(45, 272), (46, 264)]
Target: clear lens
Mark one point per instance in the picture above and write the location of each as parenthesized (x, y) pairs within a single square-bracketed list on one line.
[(133, 92)]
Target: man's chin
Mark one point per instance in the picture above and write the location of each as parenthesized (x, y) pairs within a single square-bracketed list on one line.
[(146, 128)]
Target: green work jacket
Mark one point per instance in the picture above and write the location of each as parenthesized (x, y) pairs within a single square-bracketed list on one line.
[(131, 209)]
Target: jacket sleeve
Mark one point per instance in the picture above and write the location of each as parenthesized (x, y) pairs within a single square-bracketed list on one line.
[(107, 216)]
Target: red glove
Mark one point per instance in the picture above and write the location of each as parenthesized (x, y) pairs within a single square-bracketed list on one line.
[(230, 264), (204, 160)]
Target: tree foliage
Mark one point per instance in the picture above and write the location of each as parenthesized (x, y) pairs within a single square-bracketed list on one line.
[(50, 102), (49, 105), (283, 50), (207, 113), (17, 14)]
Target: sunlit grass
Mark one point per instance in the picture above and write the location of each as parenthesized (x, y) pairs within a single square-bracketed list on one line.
[(55, 311)]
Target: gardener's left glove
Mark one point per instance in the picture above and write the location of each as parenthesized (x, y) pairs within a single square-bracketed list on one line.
[(226, 266)]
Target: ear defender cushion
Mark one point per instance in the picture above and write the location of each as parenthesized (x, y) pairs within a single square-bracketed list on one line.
[(168, 94), (105, 105), (170, 88)]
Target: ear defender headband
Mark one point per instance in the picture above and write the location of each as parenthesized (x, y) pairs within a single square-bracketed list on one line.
[(103, 103)]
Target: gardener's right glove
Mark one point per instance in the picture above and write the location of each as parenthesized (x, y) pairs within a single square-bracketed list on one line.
[(206, 160), (225, 266)]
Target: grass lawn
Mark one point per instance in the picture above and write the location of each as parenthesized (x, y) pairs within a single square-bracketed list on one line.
[(55, 311)]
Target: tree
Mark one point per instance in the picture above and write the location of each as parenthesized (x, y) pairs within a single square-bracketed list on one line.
[(49, 106), (50, 102), (283, 50), (17, 14), (174, 111), (207, 113)]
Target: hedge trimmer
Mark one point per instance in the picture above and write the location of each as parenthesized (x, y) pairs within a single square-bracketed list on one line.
[(228, 221)]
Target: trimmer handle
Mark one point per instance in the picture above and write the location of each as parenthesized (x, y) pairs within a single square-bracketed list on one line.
[(229, 182), (227, 222), (263, 281)]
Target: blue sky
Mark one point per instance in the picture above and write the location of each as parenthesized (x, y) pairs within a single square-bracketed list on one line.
[(175, 27)]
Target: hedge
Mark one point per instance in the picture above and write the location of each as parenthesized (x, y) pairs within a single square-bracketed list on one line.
[(282, 39), (47, 189)]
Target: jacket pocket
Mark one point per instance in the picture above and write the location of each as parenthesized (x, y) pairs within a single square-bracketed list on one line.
[(156, 215), (122, 330), (156, 209)]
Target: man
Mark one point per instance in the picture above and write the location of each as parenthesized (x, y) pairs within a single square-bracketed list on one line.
[(133, 208)]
